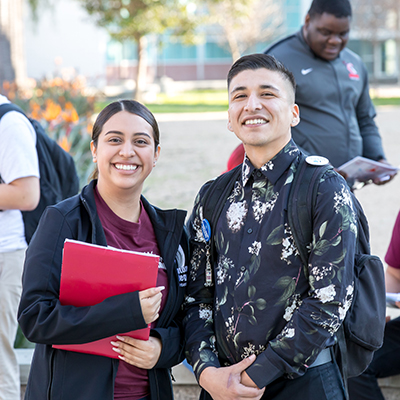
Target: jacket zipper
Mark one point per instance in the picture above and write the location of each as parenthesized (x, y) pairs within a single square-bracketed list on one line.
[(169, 305)]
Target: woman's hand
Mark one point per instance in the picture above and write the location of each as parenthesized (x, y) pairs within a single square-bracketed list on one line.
[(150, 302), (140, 353)]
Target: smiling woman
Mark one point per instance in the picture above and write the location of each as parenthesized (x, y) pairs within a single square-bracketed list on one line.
[(110, 211), (125, 148)]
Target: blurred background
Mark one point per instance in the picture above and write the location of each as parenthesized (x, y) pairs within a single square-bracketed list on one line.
[(63, 60), (113, 43)]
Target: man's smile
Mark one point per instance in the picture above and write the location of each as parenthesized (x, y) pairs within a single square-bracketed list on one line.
[(256, 121)]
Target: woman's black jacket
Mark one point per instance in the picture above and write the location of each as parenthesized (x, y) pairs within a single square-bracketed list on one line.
[(67, 375)]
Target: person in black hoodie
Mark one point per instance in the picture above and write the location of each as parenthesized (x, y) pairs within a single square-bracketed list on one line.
[(110, 211)]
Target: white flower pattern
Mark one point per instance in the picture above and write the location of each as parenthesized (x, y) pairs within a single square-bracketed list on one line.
[(260, 208), (320, 273), (205, 312), (288, 247), (235, 216), (268, 166), (261, 284), (296, 303), (289, 332), (255, 248), (251, 349), (222, 271), (326, 294), (342, 199), (347, 303)]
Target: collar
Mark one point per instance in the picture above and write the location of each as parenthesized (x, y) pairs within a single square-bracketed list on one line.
[(274, 168), (303, 42), (168, 224)]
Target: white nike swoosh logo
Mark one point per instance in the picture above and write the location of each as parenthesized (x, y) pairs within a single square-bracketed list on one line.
[(306, 71)]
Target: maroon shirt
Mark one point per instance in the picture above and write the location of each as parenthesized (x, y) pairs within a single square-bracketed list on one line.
[(131, 383), (392, 257)]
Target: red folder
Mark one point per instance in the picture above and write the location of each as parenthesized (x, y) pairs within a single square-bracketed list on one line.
[(91, 273)]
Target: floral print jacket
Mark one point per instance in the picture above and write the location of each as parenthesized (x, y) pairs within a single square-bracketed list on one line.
[(263, 300)]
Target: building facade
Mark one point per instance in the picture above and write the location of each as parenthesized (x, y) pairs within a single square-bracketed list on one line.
[(205, 61), (66, 40)]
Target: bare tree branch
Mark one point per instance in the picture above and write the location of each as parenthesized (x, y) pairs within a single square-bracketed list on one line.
[(245, 23)]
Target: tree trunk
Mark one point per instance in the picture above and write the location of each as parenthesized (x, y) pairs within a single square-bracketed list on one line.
[(12, 65), (141, 68), (233, 46), (232, 41)]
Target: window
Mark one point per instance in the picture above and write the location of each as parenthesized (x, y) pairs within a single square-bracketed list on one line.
[(365, 50), (177, 51), (214, 50)]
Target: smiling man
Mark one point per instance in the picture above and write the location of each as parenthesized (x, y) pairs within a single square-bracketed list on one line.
[(337, 115), (259, 324)]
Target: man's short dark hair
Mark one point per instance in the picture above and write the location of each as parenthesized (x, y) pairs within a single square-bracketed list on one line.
[(338, 8), (257, 61)]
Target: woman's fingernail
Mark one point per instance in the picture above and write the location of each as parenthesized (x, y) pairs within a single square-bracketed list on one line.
[(116, 350), (120, 338), (115, 344)]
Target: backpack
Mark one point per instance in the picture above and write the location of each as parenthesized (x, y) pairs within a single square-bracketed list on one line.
[(362, 331), (58, 177)]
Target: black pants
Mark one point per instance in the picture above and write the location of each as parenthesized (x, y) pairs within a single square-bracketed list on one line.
[(386, 362), (319, 383)]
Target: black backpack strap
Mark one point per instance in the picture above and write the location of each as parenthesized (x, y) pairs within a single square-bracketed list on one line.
[(341, 356), (301, 202), (216, 195), (212, 203), (5, 108)]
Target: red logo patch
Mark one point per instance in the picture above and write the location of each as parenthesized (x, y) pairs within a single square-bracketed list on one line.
[(353, 74)]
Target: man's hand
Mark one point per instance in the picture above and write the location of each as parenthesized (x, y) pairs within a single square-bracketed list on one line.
[(225, 383), (341, 173), (246, 380), (385, 179)]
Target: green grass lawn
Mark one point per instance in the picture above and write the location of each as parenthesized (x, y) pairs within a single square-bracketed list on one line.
[(208, 101), (389, 101), (190, 101), (184, 102), (185, 108), (215, 100)]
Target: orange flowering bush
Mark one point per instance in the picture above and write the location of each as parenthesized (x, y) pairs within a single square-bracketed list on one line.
[(65, 112)]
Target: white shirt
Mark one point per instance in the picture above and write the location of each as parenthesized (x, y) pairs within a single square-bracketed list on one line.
[(18, 159)]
